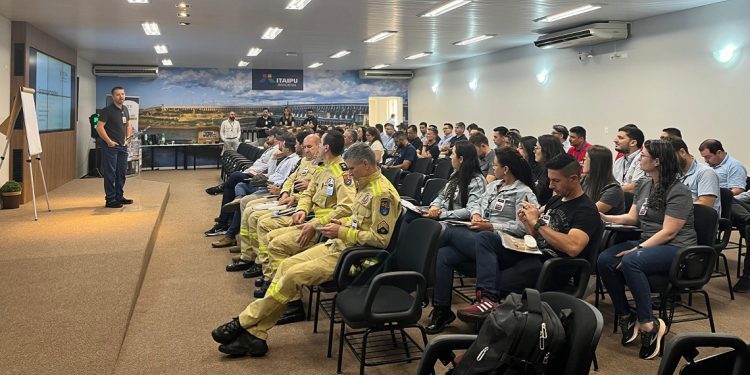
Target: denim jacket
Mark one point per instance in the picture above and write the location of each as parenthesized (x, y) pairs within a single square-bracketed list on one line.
[(500, 204), (462, 210)]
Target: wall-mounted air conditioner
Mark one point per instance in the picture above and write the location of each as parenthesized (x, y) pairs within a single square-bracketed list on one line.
[(385, 74), (586, 35), (126, 71)]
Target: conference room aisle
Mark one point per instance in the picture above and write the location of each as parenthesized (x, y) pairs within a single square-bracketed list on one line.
[(186, 293)]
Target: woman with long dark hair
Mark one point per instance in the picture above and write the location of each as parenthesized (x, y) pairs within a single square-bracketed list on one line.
[(663, 209), (496, 212), (547, 148), (464, 188), (372, 136), (526, 149), (599, 183)]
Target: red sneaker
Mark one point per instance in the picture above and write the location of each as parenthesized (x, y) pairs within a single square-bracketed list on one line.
[(477, 311)]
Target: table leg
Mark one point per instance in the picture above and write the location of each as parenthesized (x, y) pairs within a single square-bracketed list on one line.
[(152, 158), (175, 158)]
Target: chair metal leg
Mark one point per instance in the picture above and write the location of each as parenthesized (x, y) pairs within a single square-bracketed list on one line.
[(595, 362), (363, 355), (317, 310), (331, 326), (311, 290), (729, 278), (393, 338), (341, 347), (708, 311), (406, 345)]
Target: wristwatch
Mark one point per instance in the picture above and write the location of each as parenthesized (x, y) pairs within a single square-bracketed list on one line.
[(539, 223)]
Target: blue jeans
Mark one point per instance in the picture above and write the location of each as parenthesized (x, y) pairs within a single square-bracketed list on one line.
[(507, 270), (242, 189), (228, 193), (634, 272), (114, 165)]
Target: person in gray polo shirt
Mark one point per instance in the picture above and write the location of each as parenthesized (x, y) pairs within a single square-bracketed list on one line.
[(702, 181)]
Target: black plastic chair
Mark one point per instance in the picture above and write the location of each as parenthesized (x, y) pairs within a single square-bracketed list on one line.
[(443, 169), (628, 200), (392, 174), (582, 331), (432, 188), (411, 186), (423, 166), (565, 275), (392, 300), (684, 345), (722, 238), (691, 270)]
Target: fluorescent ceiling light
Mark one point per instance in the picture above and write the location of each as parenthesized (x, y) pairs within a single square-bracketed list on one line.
[(475, 39), (315, 65), (418, 55), (569, 13), (183, 14), (138, 1), (272, 33), (445, 8), (380, 66), (297, 4), (340, 54), (255, 51), (182, 5), (725, 54), (166, 62), (243, 63), (379, 36), (161, 49), (151, 28)]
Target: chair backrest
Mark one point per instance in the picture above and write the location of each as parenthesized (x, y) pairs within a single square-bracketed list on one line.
[(726, 202), (423, 165), (415, 253), (733, 362), (565, 275), (254, 153), (411, 186), (392, 174), (628, 200), (582, 330), (443, 168), (706, 222), (432, 188), (243, 148), (396, 230)]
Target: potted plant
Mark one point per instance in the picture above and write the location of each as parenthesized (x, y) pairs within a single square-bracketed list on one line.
[(10, 193)]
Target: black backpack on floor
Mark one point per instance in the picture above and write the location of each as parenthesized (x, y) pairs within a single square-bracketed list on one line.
[(521, 336)]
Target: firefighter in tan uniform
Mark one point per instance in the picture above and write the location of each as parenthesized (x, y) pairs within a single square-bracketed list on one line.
[(329, 196), (376, 210), (289, 192)]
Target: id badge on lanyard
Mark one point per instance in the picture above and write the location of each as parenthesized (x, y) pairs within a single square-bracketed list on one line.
[(329, 187), (644, 208)]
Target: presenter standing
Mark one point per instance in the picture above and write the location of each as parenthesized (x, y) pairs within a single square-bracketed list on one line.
[(230, 133), (113, 129)]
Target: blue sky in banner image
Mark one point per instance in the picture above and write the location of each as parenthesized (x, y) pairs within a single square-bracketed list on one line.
[(188, 86)]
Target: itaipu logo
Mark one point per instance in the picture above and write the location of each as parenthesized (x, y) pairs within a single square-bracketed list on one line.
[(278, 81)]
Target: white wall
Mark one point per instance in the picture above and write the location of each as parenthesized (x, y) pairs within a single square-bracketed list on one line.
[(86, 106), (5, 48), (670, 78)]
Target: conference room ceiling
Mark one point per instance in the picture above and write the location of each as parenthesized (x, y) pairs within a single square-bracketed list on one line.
[(222, 31)]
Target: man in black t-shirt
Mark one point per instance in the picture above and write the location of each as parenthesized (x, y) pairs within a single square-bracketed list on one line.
[(568, 226), (405, 154), (263, 123), (413, 137), (114, 129), (310, 122)]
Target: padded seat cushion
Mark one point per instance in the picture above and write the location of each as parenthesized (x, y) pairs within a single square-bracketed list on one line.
[(351, 303)]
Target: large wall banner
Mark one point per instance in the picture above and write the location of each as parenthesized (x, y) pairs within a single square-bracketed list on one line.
[(277, 79)]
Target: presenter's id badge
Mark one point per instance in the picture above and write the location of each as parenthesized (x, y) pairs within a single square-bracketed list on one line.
[(329, 187), (499, 204)]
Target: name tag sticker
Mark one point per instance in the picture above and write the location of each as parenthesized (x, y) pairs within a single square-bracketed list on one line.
[(500, 204)]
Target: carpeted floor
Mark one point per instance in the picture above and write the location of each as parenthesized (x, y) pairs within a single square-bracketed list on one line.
[(186, 293)]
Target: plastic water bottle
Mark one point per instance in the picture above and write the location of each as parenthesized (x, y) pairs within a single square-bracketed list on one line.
[(163, 139)]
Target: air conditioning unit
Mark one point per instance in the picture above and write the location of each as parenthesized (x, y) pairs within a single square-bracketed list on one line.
[(586, 35), (126, 71), (385, 74)]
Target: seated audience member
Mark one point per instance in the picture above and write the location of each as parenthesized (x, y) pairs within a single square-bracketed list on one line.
[(671, 132), (484, 153), (495, 212), (514, 139), (472, 128), (568, 226), (368, 225), (405, 154), (280, 169), (350, 138), (547, 148), (627, 170), (447, 136), (526, 149), (578, 143), (663, 209), (387, 138), (258, 167), (701, 179), (500, 137), (372, 136), (599, 183), (460, 129), (413, 137), (423, 131), (561, 134), (733, 176), (515, 131), (430, 146)]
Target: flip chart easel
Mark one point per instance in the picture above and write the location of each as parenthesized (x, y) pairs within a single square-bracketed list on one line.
[(24, 101)]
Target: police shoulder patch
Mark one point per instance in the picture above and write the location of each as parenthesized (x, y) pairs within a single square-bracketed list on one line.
[(383, 227), (385, 206)]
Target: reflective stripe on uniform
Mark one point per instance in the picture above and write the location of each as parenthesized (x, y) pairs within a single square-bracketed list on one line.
[(263, 249), (244, 232), (273, 291), (335, 169), (275, 264), (351, 236), (322, 215)]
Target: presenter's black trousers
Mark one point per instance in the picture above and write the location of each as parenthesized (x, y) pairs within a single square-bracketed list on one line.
[(114, 164)]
